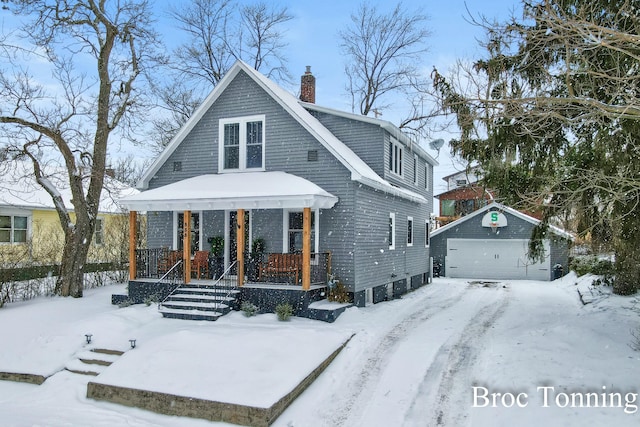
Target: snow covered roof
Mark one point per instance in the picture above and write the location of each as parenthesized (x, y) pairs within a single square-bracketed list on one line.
[(360, 171), (19, 190), (386, 125), (243, 190), (495, 205)]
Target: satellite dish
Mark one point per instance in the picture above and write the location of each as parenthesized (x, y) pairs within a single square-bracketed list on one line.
[(436, 144)]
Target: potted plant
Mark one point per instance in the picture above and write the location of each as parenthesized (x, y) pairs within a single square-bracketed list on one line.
[(216, 256)]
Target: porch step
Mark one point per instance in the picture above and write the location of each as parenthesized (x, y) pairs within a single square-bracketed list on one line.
[(199, 302), (189, 314), (204, 290), (190, 305), (187, 296)]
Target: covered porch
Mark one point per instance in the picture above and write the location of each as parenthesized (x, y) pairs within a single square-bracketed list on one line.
[(236, 193)]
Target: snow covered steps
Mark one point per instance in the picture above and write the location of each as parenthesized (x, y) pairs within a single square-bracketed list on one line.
[(93, 362), (199, 302)]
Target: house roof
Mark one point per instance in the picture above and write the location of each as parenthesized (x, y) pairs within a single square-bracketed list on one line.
[(19, 190), (242, 190), (386, 125), (360, 171), (502, 208)]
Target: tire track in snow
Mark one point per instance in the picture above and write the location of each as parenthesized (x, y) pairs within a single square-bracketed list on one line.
[(362, 385), (451, 371)]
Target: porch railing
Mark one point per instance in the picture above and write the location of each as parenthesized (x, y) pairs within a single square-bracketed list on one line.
[(285, 268), (156, 262)]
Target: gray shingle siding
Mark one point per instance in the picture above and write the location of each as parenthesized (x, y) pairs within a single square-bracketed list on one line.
[(363, 138), (375, 263)]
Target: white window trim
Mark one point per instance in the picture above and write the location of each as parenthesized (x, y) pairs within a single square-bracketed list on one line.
[(426, 176), (427, 237), (392, 243), (410, 221), (285, 229), (17, 212), (242, 160), (415, 169), (393, 144), (174, 244), (101, 219)]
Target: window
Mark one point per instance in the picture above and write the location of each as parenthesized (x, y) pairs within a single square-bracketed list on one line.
[(426, 176), (392, 231), (410, 231), (98, 233), (447, 207), (13, 229), (395, 157), (426, 233), (415, 170), (242, 144), (295, 229)]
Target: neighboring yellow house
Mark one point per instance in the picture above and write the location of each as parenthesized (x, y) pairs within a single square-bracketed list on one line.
[(30, 231)]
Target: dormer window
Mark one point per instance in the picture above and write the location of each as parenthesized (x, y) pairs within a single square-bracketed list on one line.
[(242, 143)]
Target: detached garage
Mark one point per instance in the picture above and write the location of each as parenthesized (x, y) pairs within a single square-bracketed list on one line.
[(493, 243)]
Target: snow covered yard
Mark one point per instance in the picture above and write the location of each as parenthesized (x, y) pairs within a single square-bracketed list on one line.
[(413, 361)]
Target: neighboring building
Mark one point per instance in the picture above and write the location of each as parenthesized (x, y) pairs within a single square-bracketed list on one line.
[(493, 242), (463, 196), (30, 230), (353, 190)]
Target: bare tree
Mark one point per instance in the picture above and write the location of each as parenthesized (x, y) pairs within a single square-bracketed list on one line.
[(219, 32), (382, 51), (96, 52)]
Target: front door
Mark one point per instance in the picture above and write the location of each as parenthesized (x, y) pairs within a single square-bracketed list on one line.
[(231, 235)]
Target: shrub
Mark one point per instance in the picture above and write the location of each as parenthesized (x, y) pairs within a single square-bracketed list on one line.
[(339, 293), (284, 311), (249, 309)]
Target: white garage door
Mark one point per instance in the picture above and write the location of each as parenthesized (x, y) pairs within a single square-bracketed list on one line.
[(494, 259)]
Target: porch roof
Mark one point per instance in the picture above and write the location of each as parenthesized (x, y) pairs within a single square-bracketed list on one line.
[(242, 190)]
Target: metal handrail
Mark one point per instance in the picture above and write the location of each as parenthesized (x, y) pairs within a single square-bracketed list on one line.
[(175, 266), (229, 289)]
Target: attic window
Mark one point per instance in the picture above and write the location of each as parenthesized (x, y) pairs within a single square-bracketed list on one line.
[(177, 166), (312, 155), (242, 141)]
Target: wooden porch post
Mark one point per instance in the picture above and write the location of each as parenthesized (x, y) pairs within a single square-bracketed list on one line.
[(186, 246), (240, 246), (306, 249), (133, 224)]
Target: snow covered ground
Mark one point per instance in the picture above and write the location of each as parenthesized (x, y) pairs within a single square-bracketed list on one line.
[(416, 361)]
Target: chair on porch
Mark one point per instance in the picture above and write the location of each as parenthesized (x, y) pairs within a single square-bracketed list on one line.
[(200, 264), (167, 261)]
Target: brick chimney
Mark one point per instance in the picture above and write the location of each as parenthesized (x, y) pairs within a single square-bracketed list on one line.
[(308, 86)]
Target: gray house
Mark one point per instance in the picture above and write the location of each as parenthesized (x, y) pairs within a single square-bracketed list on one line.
[(298, 194), (493, 243)]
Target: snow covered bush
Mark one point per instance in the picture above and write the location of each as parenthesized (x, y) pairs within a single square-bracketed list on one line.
[(249, 309), (284, 311)]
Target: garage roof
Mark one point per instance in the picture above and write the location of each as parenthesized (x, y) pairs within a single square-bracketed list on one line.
[(502, 208)]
